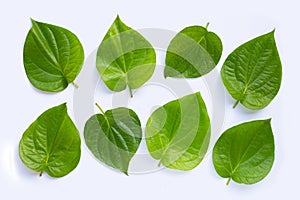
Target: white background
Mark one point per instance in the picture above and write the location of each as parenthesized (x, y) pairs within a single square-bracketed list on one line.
[(234, 21)]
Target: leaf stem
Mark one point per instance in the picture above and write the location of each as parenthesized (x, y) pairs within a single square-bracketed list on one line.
[(41, 173), (75, 85), (236, 103), (228, 181), (130, 91), (159, 164), (207, 24), (100, 108)]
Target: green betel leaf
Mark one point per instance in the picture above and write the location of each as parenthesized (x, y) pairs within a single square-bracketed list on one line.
[(125, 58), (114, 136), (51, 143), (252, 72), (192, 53), (53, 57), (178, 133), (245, 153)]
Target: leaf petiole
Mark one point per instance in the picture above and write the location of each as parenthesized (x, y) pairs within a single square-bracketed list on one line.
[(207, 24), (41, 173), (130, 91), (236, 103), (98, 106), (159, 164), (75, 85), (228, 181)]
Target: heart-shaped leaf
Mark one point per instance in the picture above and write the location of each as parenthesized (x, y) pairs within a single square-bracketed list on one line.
[(125, 58), (178, 133), (51, 143), (114, 137), (252, 72), (53, 57), (245, 153), (192, 53)]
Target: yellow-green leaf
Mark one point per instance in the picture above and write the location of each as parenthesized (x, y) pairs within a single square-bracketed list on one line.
[(178, 133)]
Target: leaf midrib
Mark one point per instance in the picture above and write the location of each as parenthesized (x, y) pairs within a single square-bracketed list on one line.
[(54, 145), (171, 143), (125, 67), (248, 83), (112, 131), (194, 47), (112, 134), (243, 155), (172, 136), (41, 37)]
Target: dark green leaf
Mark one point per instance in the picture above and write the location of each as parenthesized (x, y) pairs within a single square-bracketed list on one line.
[(192, 53), (53, 57), (114, 137), (178, 133), (252, 72), (245, 153), (51, 143), (125, 58)]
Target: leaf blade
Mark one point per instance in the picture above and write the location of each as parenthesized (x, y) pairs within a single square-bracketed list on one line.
[(245, 153), (178, 133), (252, 73), (52, 57), (192, 53), (125, 58), (114, 137), (51, 143)]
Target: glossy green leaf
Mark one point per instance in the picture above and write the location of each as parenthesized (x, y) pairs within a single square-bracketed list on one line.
[(192, 53), (114, 137), (252, 72), (245, 153), (53, 57), (51, 143), (125, 58), (178, 133)]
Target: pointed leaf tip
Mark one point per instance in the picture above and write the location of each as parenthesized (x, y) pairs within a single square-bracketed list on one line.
[(272, 33), (126, 173), (118, 19), (32, 20), (63, 105), (268, 120)]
